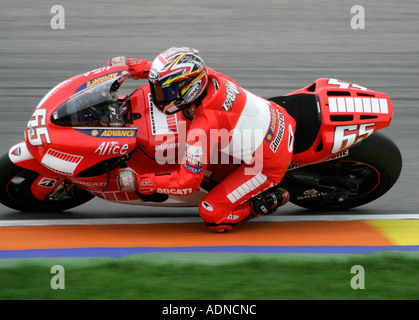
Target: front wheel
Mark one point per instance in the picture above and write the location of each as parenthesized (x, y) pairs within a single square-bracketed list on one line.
[(15, 191), (369, 170)]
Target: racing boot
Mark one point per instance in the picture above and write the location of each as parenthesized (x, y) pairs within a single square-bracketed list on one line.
[(127, 180), (268, 201)]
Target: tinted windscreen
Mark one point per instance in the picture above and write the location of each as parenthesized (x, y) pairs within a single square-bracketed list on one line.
[(94, 107)]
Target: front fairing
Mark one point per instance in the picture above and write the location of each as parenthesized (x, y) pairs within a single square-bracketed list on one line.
[(81, 122)]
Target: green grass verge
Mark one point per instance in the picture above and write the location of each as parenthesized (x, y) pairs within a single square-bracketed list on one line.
[(177, 276)]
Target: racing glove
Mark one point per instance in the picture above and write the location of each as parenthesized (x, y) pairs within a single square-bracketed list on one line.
[(138, 68), (146, 183)]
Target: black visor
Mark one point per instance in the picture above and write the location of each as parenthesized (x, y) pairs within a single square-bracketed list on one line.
[(164, 95)]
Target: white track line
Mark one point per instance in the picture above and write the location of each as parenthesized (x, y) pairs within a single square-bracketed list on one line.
[(276, 218)]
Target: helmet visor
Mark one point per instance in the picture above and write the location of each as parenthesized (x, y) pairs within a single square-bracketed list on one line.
[(164, 95)]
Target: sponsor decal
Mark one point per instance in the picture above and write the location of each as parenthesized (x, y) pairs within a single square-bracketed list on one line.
[(231, 95), (110, 148), (340, 155), (16, 152), (278, 138), (232, 217), (153, 74), (20, 152), (166, 146), (109, 133), (100, 79), (193, 169), (207, 206), (192, 92), (194, 157), (175, 191), (47, 182), (311, 193), (91, 183), (275, 130), (196, 161), (273, 125)]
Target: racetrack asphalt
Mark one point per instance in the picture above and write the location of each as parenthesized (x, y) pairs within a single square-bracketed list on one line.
[(269, 47)]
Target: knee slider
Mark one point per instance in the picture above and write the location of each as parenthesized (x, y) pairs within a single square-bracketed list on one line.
[(220, 228), (215, 217)]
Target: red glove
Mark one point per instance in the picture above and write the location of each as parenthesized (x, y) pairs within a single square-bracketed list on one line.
[(138, 68), (146, 183)]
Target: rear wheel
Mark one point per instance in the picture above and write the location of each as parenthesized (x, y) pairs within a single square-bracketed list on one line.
[(15, 191), (368, 172)]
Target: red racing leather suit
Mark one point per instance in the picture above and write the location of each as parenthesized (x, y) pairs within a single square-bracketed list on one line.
[(232, 121)]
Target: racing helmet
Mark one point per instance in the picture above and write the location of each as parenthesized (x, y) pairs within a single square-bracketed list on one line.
[(177, 78)]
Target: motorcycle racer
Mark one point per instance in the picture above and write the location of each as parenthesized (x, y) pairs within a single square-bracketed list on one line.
[(227, 120)]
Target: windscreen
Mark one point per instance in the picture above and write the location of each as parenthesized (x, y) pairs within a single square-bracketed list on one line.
[(97, 106)]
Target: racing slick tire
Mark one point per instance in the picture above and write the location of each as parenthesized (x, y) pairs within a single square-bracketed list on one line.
[(371, 168)]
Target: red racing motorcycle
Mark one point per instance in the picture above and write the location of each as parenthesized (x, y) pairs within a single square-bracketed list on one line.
[(83, 131)]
